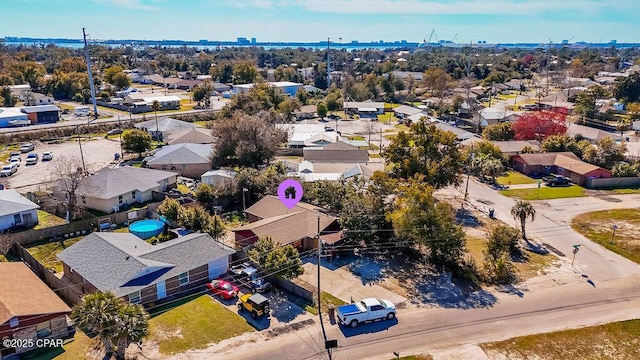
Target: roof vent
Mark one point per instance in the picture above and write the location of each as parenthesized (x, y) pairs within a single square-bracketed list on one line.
[(127, 258)]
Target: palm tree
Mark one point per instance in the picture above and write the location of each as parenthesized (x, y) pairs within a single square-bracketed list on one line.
[(523, 210), (155, 107), (132, 326), (97, 313)]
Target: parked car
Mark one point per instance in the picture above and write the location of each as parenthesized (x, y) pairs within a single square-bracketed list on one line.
[(8, 170), (114, 131), (47, 155), (14, 160), (32, 159), (224, 289), (25, 148), (556, 180), (15, 154), (366, 310), (256, 304), (248, 275)]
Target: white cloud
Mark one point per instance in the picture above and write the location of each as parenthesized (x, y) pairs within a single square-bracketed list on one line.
[(132, 4), (456, 7)]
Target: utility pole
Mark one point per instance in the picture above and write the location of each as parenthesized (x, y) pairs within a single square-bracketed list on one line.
[(84, 168), (466, 188), (328, 64), (547, 70), (324, 333), (91, 86), (120, 127)]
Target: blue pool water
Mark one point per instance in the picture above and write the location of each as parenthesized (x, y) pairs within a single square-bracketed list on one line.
[(145, 229)]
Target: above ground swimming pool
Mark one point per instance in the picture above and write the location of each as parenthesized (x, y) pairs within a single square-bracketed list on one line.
[(146, 229)]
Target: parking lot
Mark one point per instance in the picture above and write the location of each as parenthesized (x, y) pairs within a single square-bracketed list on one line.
[(97, 152)]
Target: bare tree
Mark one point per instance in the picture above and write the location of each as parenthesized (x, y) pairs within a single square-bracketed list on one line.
[(370, 127), (67, 176)]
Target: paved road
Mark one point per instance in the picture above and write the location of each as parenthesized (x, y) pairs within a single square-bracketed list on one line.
[(556, 308)]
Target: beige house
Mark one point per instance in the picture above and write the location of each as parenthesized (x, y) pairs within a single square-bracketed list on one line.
[(190, 160), (108, 189)]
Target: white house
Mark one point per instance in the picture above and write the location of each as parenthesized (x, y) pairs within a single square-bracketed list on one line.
[(218, 177), (20, 91), (110, 188), (16, 210), (364, 108), (492, 115)]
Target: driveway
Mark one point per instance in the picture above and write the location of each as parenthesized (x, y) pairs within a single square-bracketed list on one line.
[(343, 284), (97, 152)]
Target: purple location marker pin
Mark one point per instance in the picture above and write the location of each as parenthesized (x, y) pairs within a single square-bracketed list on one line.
[(290, 192)]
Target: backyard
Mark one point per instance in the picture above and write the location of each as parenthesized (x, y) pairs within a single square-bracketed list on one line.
[(45, 252), (598, 226), (514, 178)]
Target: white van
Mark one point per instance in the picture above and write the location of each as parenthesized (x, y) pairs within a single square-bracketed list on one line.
[(9, 170)]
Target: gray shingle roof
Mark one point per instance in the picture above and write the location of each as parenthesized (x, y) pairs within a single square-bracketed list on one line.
[(191, 135), (11, 202), (123, 263), (181, 154), (165, 124), (39, 108), (109, 183)]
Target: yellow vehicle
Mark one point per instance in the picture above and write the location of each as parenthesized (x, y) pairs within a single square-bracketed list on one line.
[(256, 304)]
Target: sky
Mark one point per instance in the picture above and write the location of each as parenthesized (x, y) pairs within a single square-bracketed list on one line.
[(464, 21)]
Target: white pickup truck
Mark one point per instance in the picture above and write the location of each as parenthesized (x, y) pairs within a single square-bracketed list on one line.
[(366, 310)]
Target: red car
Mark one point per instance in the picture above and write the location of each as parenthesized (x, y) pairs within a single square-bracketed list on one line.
[(224, 289)]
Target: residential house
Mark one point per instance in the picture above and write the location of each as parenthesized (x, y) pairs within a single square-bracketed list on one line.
[(187, 84), (490, 115), (11, 115), (561, 163), (33, 99), (218, 177), (29, 310), (335, 171), (336, 152), (163, 126), (508, 148), (461, 134), (194, 135), (592, 134), (417, 117), (146, 100), (217, 87), (305, 112), (40, 114), (298, 134), (405, 75), (404, 111), (16, 210), (109, 188), (20, 91), (297, 226), (323, 139), (312, 89), (287, 87), (140, 272), (365, 109), (190, 160)]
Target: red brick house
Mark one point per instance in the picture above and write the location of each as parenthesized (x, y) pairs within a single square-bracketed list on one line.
[(561, 163), (297, 226), (28, 308)]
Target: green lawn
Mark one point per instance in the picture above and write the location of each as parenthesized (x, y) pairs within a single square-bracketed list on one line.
[(194, 323), (46, 220), (356, 137), (514, 178), (402, 127), (325, 300), (385, 118), (46, 252), (545, 193), (618, 340), (202, 123), (626, 191), (597, 226)]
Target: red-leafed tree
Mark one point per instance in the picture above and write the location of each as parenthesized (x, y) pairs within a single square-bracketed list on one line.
[(540, 124)]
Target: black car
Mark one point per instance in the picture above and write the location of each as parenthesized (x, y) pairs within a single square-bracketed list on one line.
[(556, 180)]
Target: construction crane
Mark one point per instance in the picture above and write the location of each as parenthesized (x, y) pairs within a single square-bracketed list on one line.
[(427, 42)]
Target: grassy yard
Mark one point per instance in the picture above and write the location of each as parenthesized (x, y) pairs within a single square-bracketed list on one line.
[(356, 137), (532, 265), (73, 349), (402, 127), (46, 220), (626, 191), (385, 118), (46, 252), (619, 340), (597, 226), (545, 193), (514, 178), (204, 124), (194, 323), (325, 300)]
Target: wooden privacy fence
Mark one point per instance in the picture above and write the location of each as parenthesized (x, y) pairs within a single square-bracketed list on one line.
[(70, 292), (296, 286)]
